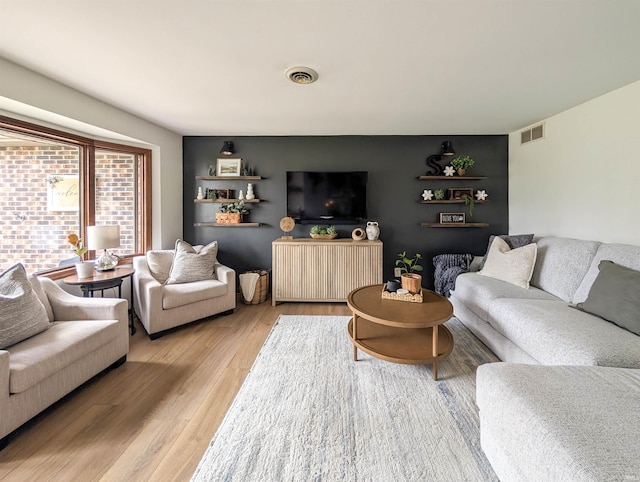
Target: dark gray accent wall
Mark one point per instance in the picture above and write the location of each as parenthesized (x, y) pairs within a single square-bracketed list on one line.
[(393, 163)]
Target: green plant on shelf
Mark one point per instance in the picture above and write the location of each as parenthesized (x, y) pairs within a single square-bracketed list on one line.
[(439, 194), (461, 162), (469, 201), (237, 207)]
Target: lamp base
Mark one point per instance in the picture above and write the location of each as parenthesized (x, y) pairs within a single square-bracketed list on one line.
[(106, 262)]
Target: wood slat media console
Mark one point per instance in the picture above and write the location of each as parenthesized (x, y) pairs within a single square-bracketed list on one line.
[(307, 269)]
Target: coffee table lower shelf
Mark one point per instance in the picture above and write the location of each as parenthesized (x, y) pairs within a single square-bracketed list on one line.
[(412, 346)]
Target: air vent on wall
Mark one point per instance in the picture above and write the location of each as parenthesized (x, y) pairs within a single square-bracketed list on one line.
[(532, 134)]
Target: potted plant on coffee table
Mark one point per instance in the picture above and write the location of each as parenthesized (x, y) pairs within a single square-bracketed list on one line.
[(411, 281)]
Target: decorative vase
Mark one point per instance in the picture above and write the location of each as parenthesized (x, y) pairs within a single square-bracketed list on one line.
[(240, 195), (200, 194), (411, 282), (84, 269), (358, 234), (462, 172), (250, 194), (373, 230)]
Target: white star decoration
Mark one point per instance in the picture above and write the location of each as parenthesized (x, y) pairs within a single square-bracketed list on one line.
[(449, 171), (481, 195), (427, 195)]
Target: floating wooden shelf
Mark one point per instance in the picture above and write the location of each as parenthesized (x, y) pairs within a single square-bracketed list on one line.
[(449, 201), (460, 225), (451, 178), (228, 178), (225, 200), (236, 225)]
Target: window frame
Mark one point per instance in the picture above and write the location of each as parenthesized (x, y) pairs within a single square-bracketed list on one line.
[(88, 147)]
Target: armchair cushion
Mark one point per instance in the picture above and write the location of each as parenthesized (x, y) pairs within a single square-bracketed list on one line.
[(159, 263), (22, 315), (191, 265), (187, 293)]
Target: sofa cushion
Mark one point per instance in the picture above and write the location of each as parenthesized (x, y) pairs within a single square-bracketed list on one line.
[(511, 265), (191, 265), (615, 296), (22, 315), (562, 264), (40, 356), (513, 240), (622, 254), (541, 423), (553, 333), (159, 263), (177, 295), (478, 292)]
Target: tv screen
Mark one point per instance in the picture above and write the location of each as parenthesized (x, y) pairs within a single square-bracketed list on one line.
[(327, 197)]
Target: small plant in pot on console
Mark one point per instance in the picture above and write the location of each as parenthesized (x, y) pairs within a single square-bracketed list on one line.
[(411, 281)]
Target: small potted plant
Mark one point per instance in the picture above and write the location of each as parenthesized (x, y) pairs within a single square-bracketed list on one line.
[(461, 164), (469, 201), (232, 213), (411, 281), (323, 233), (83, 269)]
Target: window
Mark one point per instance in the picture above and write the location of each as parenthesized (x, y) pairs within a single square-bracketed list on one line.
[(53, 183)]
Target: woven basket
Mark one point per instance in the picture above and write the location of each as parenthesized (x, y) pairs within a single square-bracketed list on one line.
[(262, 288)]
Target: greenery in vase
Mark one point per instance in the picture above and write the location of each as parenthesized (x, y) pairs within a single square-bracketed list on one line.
[(439, 194), (409, 265), (462, 162), (237, 207)]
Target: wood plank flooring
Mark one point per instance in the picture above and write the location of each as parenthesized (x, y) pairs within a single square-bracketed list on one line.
[(153, 417)]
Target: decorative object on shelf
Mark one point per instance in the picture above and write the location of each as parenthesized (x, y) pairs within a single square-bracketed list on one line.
[(427, 195), (458, 192), (461, 164), (449, 171), (358, 234), (446, 149), (200, 194), (317, 232), (452, 218), (241, 195), (228, 167), (250, 195), (104, 237), (481, 195), (287, 224), (212, 170), (246, 170), (411, 281), (439, 194), (468, 200), (227, 148), (232, 213), (373, 230)]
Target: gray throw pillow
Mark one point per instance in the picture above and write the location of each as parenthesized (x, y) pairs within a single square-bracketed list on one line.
[(615, 296), (191, 265), (513, 240), (22, 315)]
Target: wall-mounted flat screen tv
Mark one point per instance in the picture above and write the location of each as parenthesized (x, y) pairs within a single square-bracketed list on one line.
[(327, 197)]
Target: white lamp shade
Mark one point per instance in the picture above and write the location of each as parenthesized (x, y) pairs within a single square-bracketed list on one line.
[(103, 237)]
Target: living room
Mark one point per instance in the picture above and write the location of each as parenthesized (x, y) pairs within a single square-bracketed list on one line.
[(575, 182)]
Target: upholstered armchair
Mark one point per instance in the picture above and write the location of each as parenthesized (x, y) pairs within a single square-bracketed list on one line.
[(175, 287)]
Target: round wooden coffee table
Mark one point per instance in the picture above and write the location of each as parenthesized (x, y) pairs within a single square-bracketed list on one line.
[(400, 331)]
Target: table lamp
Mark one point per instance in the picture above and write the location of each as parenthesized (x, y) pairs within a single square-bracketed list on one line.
[(104, 237)]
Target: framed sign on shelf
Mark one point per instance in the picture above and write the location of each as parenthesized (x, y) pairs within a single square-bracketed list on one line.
[(452, 218)]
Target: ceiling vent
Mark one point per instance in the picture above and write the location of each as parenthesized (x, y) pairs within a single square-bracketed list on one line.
[(532, 134), (301, 75)]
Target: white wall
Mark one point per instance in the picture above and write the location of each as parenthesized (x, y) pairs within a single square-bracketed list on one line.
[(27, 95), (580, 181)]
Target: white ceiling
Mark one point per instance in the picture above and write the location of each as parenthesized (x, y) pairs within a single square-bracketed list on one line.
[(207, 67)]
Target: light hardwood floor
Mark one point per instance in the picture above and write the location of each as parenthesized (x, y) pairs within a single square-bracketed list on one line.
[(153, 417)]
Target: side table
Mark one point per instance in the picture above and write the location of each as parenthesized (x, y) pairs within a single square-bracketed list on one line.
[(103, 280)]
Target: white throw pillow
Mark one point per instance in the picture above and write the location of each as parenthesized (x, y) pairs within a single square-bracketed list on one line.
[(514, 266), (190, 264), (22, 315)]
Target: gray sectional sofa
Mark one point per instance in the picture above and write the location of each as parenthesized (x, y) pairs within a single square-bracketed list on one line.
[(566, 405)]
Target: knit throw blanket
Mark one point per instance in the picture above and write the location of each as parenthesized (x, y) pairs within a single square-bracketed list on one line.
[(448, 267)]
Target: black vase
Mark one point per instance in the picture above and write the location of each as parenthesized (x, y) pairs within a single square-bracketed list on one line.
[(393, 285)]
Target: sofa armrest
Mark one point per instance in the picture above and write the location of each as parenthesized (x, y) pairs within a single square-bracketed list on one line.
[(67, 307), (225, 274), (4, 381), (147, 291)]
